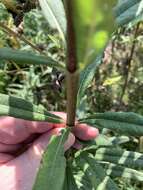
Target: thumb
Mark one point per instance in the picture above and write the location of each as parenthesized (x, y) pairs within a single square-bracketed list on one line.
[(20, 173)]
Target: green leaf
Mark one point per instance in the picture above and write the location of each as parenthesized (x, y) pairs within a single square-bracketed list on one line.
[(20, 108), (119, 140), (52, 170), (104, 141), (95, 173), (93, 23), (70, 183), (120, 157), (129, 11), (86, 77), (114, 170), (121, 122), (55, 14), (23, 57)]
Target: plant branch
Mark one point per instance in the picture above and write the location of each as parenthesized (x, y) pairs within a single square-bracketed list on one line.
[(129, 61), (21, 37), (72, 72)]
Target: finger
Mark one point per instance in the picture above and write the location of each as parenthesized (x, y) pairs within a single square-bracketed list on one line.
[(5, 158), (82, 131), (77, 145), (5, 148), (41, 143), (20, 173), (13, 130), (85, 132)]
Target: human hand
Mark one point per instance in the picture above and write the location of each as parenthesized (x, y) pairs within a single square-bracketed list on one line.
[(18, 168)]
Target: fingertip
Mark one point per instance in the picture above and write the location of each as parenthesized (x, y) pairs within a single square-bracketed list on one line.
[(85, 132)]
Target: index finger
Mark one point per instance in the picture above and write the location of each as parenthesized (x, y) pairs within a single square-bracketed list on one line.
[(14, 130)]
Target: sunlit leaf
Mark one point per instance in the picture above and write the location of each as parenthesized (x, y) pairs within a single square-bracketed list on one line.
[(52, 170), (20, 108), (95, 173), (114, 170), (112, 80), (121, 157)]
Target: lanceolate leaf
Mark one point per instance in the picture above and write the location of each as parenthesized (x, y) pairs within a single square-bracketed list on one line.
[(129, 11), (114, 170), (93, 23), (121, 122), (55, 14), (121, 157), (86, 77), (52, 171), (95, 173), (23, 57), (104, 141), (20, 108), (119, 140)]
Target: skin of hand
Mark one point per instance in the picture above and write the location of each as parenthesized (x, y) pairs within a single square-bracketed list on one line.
[(18, 171)]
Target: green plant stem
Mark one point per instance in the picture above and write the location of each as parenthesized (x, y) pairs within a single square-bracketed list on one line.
[(72, 74), (72, 85)]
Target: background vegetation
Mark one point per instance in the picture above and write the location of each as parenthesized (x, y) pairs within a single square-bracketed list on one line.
[(117, 85)]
